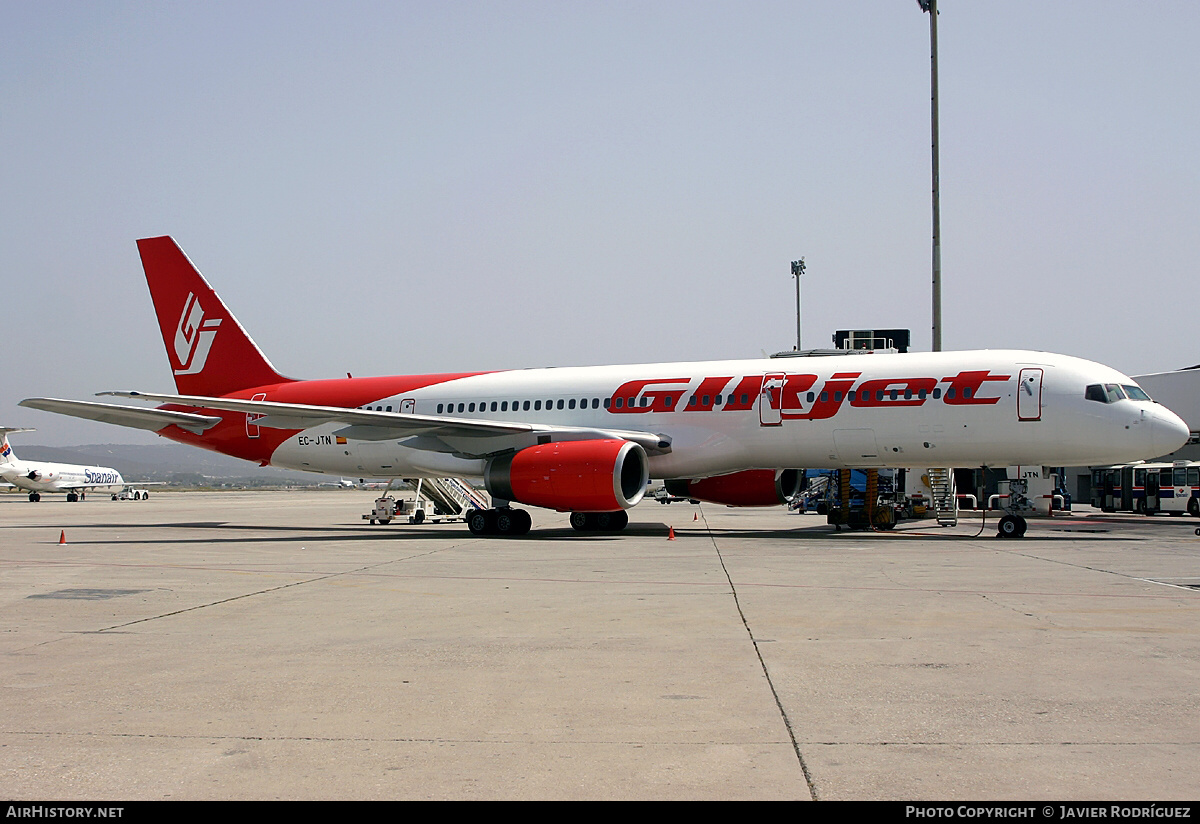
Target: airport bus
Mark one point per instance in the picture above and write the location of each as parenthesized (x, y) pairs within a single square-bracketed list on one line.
[(1148, 488)]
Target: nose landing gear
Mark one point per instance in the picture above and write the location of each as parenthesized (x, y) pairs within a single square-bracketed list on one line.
[(1011, 526)]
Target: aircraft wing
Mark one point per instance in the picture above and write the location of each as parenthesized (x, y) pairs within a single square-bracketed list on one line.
[(138, 418), (437, 433)]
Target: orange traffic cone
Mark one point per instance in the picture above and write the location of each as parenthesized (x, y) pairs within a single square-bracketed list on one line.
[(62, 537), (695, 516), (671, 534)]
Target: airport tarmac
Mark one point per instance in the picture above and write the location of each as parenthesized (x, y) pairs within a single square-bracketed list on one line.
[(273, 645)]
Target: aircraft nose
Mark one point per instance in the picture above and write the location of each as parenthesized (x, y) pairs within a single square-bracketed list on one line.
[(1168, 432)]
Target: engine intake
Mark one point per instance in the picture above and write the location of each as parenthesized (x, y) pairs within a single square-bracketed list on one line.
[(576, 476), (750, 487)]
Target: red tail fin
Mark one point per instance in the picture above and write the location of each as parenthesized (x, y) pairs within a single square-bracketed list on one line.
[(209, 351)]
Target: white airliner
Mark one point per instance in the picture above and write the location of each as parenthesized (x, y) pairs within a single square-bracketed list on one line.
[(37, 476), (586, 440)]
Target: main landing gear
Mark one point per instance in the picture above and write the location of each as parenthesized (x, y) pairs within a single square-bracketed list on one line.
[(508, 521), (599, 521), (502, 521)]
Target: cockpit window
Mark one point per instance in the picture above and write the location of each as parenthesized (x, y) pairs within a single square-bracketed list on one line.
[(1111, 392)]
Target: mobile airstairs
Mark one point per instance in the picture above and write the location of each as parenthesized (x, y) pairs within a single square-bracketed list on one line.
[(434, 500)]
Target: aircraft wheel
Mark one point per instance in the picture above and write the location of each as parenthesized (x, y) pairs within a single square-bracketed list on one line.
[(480, 521), (582, 521), (1011, 526), (504, 522), (34, 497), (612, 521), (512, 521), (525, 521), (72, 497)]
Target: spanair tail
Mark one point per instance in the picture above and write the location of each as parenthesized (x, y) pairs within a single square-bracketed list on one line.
[(209, 351)]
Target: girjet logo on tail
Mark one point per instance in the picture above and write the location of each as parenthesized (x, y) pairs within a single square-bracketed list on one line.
[(193, 337)]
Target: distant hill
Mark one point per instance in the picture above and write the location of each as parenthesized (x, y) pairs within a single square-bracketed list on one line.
[(167, 462)]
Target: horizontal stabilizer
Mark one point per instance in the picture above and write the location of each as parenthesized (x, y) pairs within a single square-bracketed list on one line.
[(151, 419)]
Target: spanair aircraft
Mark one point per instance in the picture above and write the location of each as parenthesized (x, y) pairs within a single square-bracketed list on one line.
[(37, 477), (586, 440)]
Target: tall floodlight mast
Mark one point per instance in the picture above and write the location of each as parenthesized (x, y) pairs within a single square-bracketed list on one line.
[(797, 271), (930, 7)]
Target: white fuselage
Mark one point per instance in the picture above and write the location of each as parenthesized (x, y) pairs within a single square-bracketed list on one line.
[(994, 408), (39, 476)]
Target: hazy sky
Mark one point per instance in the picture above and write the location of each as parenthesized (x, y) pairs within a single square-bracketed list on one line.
[(398, 187)]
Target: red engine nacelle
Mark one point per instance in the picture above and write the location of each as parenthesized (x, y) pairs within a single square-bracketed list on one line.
[(576, 476), (750, 487)]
